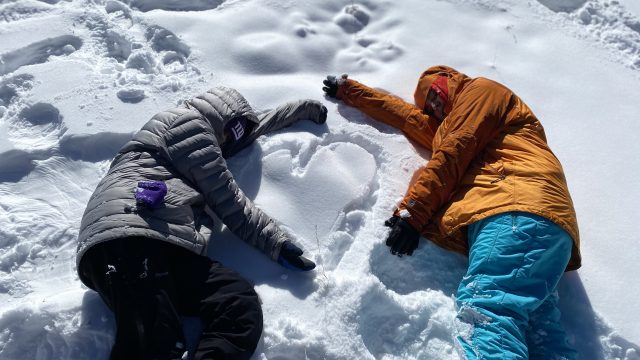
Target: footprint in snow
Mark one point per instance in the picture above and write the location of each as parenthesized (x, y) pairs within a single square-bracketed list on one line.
[(38, 52), (20, 10), (368, 49), (36, 127), (353, 18), (175, 5), (13, 86), (563, 5)]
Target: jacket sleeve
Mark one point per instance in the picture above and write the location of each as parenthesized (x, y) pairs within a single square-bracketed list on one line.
[(475, 120), (290, 113), (390, 110), (278, 118), (193, 149)]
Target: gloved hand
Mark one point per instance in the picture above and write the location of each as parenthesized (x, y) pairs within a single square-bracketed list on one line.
[(332, 83), (291, 258), (403, 238), (322, 118)]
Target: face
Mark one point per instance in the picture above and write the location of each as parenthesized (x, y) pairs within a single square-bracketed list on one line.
[(434, 106)]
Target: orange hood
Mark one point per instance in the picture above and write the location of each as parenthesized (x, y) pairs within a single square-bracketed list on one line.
[(455, 81)]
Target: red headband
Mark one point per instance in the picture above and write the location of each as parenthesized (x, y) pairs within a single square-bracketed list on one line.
[(440, 87)]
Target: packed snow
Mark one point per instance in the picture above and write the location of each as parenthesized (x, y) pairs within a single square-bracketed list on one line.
[(79, 77)]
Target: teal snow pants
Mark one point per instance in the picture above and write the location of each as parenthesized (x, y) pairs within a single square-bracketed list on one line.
[(507, 301)]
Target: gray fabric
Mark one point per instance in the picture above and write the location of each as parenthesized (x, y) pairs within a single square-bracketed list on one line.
[(182, 147), (282, 116)]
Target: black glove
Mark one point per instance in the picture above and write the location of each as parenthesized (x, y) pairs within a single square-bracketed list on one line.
[(291, 258), (332, 83), (403, 238), (322, 117)]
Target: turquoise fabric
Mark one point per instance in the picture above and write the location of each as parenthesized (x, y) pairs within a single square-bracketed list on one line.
[(507, 301)]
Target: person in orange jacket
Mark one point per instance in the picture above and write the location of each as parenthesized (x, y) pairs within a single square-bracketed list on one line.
[(493, 190)]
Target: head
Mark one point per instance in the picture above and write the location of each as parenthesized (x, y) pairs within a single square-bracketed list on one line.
[(235, 129), (432, 96), (227, 111), (437, 99), (437, 90)]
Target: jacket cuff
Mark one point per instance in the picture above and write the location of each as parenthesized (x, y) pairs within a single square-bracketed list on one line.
[(406, 215), (343, 87)]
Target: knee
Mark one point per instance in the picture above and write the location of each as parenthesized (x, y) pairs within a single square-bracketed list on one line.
[(235, 300), (233, 324), (251, 305)]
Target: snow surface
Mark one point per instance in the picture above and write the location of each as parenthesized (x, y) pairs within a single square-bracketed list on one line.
[(78, 77)]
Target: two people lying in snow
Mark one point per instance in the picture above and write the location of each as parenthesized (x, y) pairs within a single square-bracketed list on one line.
[(492, 190)]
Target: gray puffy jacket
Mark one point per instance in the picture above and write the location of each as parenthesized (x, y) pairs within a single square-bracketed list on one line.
[(182, 147)]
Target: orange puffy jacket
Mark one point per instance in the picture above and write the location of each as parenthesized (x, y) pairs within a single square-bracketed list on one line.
[(489, 155)]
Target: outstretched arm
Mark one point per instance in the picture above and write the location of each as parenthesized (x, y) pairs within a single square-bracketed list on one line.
[(192, 148), (281, 117), (291, 112), (385, 108)]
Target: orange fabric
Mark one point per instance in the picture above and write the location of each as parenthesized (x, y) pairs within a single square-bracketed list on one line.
[(490, 155), (391, 110)]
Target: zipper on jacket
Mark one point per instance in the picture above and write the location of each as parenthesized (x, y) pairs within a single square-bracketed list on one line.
[(500, 174)]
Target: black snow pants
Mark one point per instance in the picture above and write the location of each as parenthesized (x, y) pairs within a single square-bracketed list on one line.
[(149, 284)]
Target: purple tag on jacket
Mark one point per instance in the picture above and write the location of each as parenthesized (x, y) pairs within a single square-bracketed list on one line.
[(151, 193)]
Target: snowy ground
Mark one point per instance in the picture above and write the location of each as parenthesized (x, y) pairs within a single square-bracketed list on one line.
[(79, 77)]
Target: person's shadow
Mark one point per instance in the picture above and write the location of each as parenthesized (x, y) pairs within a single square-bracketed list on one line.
[(578, 317), (585, 328)]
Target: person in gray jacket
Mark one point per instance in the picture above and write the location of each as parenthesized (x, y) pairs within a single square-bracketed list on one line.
[(140, 245)]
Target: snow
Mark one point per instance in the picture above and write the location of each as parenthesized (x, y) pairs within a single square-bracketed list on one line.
[(79, 77)]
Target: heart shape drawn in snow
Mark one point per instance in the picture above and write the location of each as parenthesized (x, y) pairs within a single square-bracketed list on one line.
[(310, 199)]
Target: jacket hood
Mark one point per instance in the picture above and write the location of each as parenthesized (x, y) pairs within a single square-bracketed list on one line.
[(222, 106), (455, 81)]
